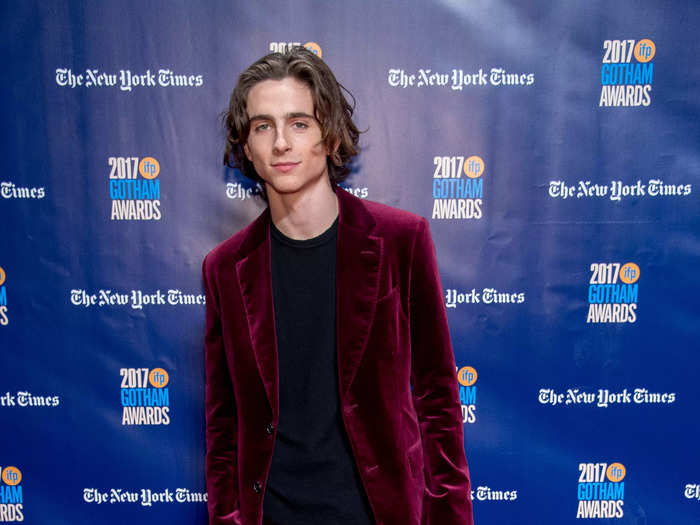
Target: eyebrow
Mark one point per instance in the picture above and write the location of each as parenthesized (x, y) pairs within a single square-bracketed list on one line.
[(296, 114)]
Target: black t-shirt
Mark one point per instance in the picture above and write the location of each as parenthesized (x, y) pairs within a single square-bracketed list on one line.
[(313, 478)]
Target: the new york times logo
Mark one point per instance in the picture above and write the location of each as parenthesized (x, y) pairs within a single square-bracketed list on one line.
[(8, 190), (143, 497), (484, 493), (125, 80), (617, 190), (458, 79), (604, 397), (26, 399), (692, 491), (137, 299)]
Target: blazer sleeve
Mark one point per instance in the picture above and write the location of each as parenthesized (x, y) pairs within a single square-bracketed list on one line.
[(220, 411), (447, 497)]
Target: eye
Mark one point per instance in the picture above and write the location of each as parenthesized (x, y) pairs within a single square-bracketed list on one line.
[(300, 125), (261, 127)]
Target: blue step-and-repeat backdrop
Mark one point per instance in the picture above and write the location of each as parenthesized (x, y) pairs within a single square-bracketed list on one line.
[(553, 146)]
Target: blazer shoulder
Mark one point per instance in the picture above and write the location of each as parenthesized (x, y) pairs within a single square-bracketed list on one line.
[(399, 229), (394, 221), (235, 247)]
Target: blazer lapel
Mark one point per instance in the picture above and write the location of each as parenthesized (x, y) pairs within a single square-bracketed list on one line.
[(359, 257), (254, 279)]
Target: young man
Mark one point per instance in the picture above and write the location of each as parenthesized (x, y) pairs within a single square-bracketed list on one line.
[(331, 394)]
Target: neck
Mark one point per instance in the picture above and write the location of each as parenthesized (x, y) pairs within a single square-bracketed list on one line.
[(304, 215)]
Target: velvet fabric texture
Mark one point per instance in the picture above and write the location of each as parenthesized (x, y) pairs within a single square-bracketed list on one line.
[(391, 333)]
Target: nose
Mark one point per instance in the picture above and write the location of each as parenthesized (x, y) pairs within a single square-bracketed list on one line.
[(281, 145)]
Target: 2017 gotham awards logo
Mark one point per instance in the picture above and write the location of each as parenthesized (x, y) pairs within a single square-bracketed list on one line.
[(613, 291), (601, 491), (625, 83), (466, 377), (282, 47), (4, 319), (145, 398), (11, 498), (134, 188), (455, 197)]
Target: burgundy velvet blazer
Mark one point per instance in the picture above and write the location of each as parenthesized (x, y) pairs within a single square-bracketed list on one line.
[(392, 333)]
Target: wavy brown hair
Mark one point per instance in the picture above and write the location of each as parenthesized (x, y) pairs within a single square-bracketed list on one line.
[(331, 109)]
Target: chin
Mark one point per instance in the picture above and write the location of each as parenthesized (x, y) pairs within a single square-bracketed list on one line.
[(285, 186), (291, 184)]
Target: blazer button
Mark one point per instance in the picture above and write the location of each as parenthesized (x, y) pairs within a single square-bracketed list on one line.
[(257, 487), (270, 428)]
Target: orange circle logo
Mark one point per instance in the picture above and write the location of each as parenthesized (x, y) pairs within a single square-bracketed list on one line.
[(158, 377), (11, 475), (644, 50), (616, 472), (629, 273), (2, 276), (314, 48), (474, 167), (466, 376), (149, 168)]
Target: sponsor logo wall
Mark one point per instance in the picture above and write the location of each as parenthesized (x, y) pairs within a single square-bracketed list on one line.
[(553, 149)]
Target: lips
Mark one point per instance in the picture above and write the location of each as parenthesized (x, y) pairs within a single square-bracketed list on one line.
[(285, 167)]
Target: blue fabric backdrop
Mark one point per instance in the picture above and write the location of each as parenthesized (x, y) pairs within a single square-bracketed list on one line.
[(552, 145)]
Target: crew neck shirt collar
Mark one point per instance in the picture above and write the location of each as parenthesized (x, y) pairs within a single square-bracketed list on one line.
[(319, 240)]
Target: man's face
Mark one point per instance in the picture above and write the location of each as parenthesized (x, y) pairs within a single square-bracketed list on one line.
[(284, 143)]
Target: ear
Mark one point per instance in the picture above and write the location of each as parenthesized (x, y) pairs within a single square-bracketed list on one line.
[(246, 150)]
